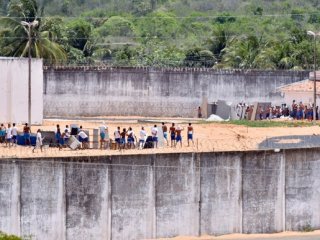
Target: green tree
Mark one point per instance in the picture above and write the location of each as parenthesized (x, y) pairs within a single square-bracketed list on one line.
[(199, 58), (218, 42), (244, 53), (78, 34), (14, 36), (4, 236)]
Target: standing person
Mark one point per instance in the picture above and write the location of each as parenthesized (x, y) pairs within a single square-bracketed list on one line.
[(14, 133), (143, 136), (2, 133), (58, 135), (83, 138), (179, 136), (107, 139), (301, 111), (117, 136), (123, 138), (294, 109), (260, 113), (154, 133), (102, 129), (131, 138), (65, 136), (165, 132), (199, 112), (67, 128), (38, 141), (190, 134), (8, 135), (26, 134), (173, 135)]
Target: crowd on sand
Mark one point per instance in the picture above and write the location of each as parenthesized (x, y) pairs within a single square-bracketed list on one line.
[(298, 111), (117, 139)]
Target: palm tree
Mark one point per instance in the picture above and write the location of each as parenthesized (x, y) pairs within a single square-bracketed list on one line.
[(14, 35), (245, 53)]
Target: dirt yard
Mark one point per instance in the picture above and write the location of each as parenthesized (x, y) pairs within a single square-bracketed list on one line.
[(315, 235), (207, 137)]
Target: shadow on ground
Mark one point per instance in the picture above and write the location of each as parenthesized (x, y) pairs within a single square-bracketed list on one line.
[(288, 142)]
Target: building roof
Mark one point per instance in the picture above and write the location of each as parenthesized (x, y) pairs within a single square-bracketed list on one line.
[(301, 86)]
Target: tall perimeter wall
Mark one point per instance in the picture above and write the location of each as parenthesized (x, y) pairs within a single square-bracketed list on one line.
[(70, 92), (160, 195)]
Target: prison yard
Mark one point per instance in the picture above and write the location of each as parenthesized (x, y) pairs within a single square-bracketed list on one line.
[(207, 137)]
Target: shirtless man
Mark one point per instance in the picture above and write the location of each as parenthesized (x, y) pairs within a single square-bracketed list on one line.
[(190, 134), (165, 132), (179, 136), (294, 109), (173, 135), (26, 134)]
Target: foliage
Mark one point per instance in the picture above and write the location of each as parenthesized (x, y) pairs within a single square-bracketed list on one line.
[(4, 236), (256, 34), (16, 36)]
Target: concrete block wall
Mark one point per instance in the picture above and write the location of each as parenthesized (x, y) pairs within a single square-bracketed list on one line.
[(160, 195), (75, 92)]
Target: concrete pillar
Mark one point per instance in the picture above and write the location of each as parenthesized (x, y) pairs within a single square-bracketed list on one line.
[(95, 144)]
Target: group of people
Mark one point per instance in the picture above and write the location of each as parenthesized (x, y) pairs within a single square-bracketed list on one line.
[(63, 137), (126, 138), (298, 111), (9, 134), (121, 139)]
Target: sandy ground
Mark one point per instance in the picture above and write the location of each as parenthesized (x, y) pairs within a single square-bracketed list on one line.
[(284, 235), (207, 137)]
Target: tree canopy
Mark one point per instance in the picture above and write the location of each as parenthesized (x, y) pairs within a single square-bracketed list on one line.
[(15, 34), (248, 34)]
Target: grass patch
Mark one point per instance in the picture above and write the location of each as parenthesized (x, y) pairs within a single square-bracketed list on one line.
[(267, 123), (307, 228)]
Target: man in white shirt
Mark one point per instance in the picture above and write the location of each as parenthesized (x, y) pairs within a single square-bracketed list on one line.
[(117, 137), (9, 135), (131, 138), (14, 133), (154, 133), (83, 138), (67, 129), (38, 141), (143, 136)]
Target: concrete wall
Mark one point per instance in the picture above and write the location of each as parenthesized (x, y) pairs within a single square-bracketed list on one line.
[(160, 195), (14, 90), (155, 92)]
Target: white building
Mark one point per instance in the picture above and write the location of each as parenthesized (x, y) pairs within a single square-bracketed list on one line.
[(14, 90)]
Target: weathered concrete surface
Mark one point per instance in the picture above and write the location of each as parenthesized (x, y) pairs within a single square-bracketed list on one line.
[(87, 201), (302, 189), (160, 195), (177, 181), (221, 201), (155, 92), (42, 200), (263, 192), (133, 199), (10, 198)]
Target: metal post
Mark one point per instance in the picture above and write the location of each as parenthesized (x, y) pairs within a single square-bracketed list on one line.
[(29, 76), (314, 81)]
